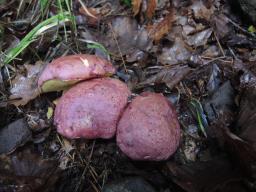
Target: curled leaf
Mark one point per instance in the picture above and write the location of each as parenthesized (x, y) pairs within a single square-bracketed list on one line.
[(158, 30), (25, 87), (136, 4), (151, 7)]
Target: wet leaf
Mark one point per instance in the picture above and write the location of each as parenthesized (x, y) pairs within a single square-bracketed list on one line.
[(136, 6), (221, 102), (169, 75), (242, 152), (25, 87), (14, 135), (151, 7), (217, 175), (28, 172), (246, 122)]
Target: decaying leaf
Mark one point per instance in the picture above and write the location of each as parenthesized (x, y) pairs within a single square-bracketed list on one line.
[(174, 54), (200, 38), (247, 116), (28, 172), (243, 152), (221, 102), (217, 175), (221, 25), (169, 75), (136, 4), (241, 146), (13, 135), (25, 87), (125, 36), (158, 30), (201, 11), (151, 7)]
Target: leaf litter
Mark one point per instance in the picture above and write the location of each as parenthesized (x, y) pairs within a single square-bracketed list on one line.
[(199, 51)]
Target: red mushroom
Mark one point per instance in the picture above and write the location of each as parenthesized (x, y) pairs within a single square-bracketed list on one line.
[(149, 128), (71, 69), (91, 109)]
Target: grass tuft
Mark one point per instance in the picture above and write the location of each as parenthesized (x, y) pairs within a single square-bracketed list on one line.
[(53, 21)]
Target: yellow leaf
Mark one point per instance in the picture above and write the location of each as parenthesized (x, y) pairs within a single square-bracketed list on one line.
[(49, 113), (136, 4)]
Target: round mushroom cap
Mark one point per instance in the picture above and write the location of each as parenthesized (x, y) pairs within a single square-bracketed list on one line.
[(149, 128), (91, 109), (71, 69)]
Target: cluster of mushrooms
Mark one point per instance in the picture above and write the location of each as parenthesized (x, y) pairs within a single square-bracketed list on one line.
[(96, 106)]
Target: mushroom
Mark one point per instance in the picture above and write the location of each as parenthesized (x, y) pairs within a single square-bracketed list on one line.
[(68, 70), (149, 128), (91, 109)]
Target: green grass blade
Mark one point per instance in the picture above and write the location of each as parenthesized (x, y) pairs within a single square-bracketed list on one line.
[(95, 45), (34, 33), (197, 111)]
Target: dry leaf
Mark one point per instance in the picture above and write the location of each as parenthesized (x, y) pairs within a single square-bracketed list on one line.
[(125, 36), (93, 15), (151, 7), (25, 87), (200, 38), (201, 11), (177, 53), (158, 30), (136, 4), (170, 76)]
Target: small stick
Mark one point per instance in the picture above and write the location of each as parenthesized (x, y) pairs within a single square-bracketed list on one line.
[(120, 52)]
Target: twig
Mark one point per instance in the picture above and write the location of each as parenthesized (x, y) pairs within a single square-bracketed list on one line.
[(86, 167), (86, 10), (243, 30), (120, 52), (221, 49)]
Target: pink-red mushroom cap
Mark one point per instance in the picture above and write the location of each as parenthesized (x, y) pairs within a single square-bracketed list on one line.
[(149, 128), (91, 109), (68, 70)]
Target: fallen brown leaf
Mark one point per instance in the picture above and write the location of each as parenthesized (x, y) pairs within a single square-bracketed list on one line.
[(151, 7), (136, 4), (170, 76), (125, 36), (158, 30), (201, 11), (25, 87), (216, 175), (14, 135), (27, 171), (92, 14)]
